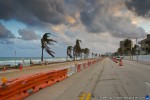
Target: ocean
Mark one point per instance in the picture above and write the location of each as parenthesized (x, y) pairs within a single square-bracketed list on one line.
[(26, 60)]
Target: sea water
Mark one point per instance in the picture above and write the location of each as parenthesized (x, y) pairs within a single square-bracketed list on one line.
[(26, 60)]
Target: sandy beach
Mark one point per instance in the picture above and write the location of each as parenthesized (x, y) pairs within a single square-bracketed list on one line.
[(10, 74)]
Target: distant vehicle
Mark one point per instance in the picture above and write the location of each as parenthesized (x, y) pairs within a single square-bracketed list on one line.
[(121, 57), (118, 58)]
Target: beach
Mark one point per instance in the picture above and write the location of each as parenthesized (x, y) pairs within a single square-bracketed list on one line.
[(10, 74)]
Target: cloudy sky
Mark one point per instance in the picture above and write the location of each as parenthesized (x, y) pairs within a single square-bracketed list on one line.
[(100, 24)]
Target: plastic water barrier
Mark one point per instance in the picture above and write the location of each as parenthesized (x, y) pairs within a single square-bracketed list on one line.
[(19, 88), (24, 86), (71, 70)]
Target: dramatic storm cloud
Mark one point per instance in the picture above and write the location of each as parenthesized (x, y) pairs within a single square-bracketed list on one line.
[(5, 33), (27, 34), (102, 17), (140, 7), (100, 24), (33, 12), (98, 16)]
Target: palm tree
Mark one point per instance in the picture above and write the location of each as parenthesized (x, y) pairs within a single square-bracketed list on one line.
[(45, 41), (120, 51), (69, 49), (96, 55), (86, 52), (127, 45), (77, 49), (99, 55), (92, 55)]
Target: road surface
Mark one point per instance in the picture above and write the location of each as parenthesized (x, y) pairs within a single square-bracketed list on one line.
[(103, 81)]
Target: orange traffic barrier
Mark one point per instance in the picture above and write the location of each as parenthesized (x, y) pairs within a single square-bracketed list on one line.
[(20, 67), (84, 65), (78, 67), (19, 88), (120, 62), (115, 60), (25, 86)]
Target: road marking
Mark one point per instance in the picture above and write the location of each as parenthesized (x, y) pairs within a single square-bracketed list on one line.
[(88, 96), (148, 84), (81, 97), (85, 96)]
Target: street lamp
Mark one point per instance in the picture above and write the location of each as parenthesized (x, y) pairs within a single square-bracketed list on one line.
[(15, 57)]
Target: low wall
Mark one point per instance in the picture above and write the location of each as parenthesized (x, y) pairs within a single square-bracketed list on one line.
[(140, 57)]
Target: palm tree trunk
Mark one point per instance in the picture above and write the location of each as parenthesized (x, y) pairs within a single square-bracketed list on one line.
[(42, 54)]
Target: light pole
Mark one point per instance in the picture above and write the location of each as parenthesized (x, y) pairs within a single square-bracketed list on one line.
[(15, 58)]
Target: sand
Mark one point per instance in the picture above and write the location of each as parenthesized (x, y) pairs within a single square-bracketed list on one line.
[(10, 74)]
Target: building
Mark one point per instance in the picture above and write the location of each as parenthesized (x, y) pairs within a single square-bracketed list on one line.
[(126, 50), (122, 44), (145, 45)]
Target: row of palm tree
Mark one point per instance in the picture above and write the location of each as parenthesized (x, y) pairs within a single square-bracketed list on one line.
[(77, 51), (96, 55)]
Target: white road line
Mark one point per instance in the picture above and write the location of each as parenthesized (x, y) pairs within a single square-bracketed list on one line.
[(148, 84)]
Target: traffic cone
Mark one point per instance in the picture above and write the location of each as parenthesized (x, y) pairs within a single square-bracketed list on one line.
[(20, 67), (116, 61), (4, 69), (120, 62)]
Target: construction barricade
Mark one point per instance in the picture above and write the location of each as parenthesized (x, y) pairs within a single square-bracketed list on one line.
[(71, 70), (24, 86), (19, 88)]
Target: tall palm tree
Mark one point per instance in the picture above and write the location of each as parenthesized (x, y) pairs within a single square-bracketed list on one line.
[(69, 49), (45, 41), (99, 55), (96, 55), (86, 52), (127, 45), (120, 51), (92, 55), (77, 49)]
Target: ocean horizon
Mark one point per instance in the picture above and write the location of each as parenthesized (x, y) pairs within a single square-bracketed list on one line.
[(26, 60)]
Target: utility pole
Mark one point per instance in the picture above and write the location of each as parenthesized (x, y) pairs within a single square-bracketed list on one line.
[(15, 58), (137, 50)]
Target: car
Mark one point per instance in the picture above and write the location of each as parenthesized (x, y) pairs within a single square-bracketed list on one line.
[(118, 58)]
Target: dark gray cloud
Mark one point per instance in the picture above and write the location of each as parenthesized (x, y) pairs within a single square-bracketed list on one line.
[(5, 33), (98, 16), (140, 7), (28, 34), (33, 12)]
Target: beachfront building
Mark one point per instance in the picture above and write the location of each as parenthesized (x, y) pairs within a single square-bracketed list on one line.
[(145, 45), (122, 44), (126, 47)]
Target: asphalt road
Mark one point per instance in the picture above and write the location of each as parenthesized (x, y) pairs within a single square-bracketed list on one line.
[(103, 81)]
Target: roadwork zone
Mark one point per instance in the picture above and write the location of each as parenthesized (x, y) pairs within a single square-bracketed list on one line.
[(21, 87)]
